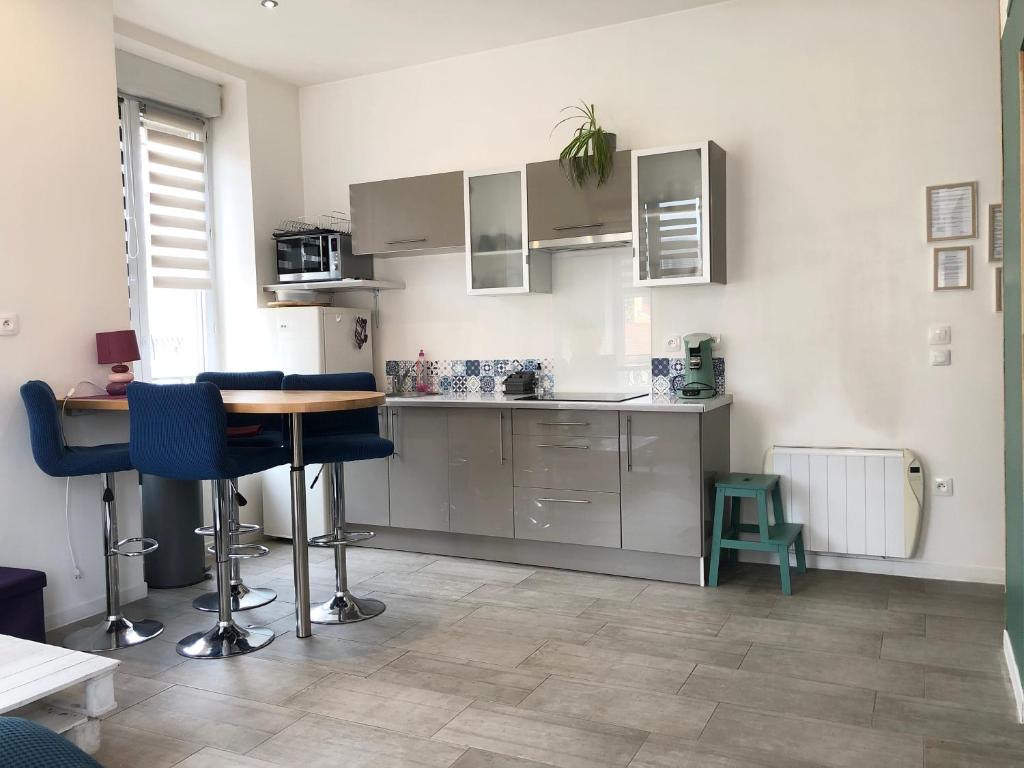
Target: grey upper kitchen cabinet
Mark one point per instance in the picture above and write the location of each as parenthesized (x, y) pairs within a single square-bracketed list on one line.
[(480, 471), (415, 214), (419, 468), (662, 487), (366, 486), (562, 215)]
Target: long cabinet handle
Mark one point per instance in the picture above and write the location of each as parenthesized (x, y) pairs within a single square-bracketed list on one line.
[(567, 501), (563, 423), (394, 432), (501, 436), (578, 226), (408, 240), (572, 447), (629, 443)]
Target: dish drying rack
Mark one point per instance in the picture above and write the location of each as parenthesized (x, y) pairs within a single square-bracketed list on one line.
[(335, 221)]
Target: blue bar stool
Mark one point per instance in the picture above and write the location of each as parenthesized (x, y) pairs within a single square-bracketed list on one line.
[(57, 459), (180, 431), (267, 432), (332, 439)]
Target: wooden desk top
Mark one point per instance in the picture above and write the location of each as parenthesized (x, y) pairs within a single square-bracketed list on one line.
[(256, 401)]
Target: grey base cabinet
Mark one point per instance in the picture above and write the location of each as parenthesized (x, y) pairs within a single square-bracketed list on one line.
[(366, 487), (480, 471), (418, 472), (661, 482), (591, 481)]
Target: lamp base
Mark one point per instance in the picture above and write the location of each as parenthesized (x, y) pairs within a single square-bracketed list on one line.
[(118, 379)]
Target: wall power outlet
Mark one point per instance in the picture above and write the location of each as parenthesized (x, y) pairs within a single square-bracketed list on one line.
[(942, 486)]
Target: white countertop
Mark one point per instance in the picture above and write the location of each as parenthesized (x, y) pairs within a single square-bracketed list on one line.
[(658, 403)]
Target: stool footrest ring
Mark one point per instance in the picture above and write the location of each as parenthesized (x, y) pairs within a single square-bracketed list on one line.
[(243, 551), (148, 545), (334, 540), (237, 529)]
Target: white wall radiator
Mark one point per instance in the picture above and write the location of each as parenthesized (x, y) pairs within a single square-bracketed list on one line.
[(852, 501)]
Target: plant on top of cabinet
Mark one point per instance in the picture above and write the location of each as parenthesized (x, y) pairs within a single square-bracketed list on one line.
[(679, 215), (590, 152)]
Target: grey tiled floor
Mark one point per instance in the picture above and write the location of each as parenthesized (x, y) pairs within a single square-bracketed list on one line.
[(490, 665)]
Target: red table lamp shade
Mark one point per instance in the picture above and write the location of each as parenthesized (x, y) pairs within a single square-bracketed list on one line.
[(119, 348)]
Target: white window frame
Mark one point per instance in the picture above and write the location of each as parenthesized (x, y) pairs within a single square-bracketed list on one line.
[(140, 281)]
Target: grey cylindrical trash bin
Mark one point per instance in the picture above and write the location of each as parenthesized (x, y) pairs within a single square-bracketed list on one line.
[(171, 512)]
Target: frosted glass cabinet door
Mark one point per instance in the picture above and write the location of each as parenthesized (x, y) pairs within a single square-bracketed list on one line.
[(496, 250), (678, 215)]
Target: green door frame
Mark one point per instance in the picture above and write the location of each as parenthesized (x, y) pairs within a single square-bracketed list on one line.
[(1010, 56)]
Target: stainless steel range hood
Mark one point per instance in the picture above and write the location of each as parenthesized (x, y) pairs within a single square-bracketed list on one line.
[(583, 242)]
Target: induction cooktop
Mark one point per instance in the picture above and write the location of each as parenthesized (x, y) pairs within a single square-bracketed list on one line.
[(585, 397)]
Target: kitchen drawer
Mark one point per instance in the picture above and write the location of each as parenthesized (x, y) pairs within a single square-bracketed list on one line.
[(536, 421), (569, 517), (570, 463)]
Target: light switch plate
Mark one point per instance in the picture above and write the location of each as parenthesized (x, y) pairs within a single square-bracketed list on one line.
[(942, 486), (939, 357), (940, 334), (9, 325)]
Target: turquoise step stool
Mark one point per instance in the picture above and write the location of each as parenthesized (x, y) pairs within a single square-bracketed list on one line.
[(771, 538)]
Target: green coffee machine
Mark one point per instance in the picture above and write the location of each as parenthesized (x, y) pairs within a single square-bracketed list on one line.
[(698, 379)]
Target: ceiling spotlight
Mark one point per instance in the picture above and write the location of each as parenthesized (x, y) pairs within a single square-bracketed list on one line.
[(268, 3)]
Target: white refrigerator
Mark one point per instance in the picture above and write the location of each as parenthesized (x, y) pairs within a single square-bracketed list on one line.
[(313, 340)]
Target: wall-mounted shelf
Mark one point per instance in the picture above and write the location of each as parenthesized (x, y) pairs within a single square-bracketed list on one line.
[(333, 286), (337, 285)]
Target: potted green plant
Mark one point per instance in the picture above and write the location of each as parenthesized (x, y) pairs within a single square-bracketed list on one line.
[(591, 150)]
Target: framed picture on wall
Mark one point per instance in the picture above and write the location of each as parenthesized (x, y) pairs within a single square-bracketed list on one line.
[(952, 268), (952, 211), (995, 232)]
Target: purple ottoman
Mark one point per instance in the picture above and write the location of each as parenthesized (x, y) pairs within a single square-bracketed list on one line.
[(21, 603)]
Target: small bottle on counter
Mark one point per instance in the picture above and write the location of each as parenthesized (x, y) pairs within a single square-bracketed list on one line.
[(422, 385)]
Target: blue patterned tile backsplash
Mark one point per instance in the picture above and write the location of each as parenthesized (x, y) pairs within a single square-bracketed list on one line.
[(665, 369), (470, 376)]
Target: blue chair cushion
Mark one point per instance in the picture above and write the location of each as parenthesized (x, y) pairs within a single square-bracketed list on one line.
[(179, 431), (362, 421), (249, 380), (48, 448), (249, 461), (29, 745), (330, 448)]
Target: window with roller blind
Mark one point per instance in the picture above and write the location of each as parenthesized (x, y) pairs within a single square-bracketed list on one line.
[(165, 159)]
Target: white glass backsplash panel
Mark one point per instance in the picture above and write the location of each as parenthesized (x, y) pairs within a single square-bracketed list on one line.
[(602, 323)]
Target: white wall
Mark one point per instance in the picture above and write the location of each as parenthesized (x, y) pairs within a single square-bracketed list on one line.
[(835, 116), (62, 232)]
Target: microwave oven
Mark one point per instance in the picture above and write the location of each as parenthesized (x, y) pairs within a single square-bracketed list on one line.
[(319, 254)]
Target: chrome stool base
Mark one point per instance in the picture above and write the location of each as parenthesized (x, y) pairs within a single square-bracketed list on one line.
[(113, 634), (243, 598), (346, 608), (224, 640)]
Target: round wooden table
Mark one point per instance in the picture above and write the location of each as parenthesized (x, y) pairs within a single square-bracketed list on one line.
[(293, 404)]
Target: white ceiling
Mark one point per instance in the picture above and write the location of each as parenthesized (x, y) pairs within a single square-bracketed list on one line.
[(317, 41)]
